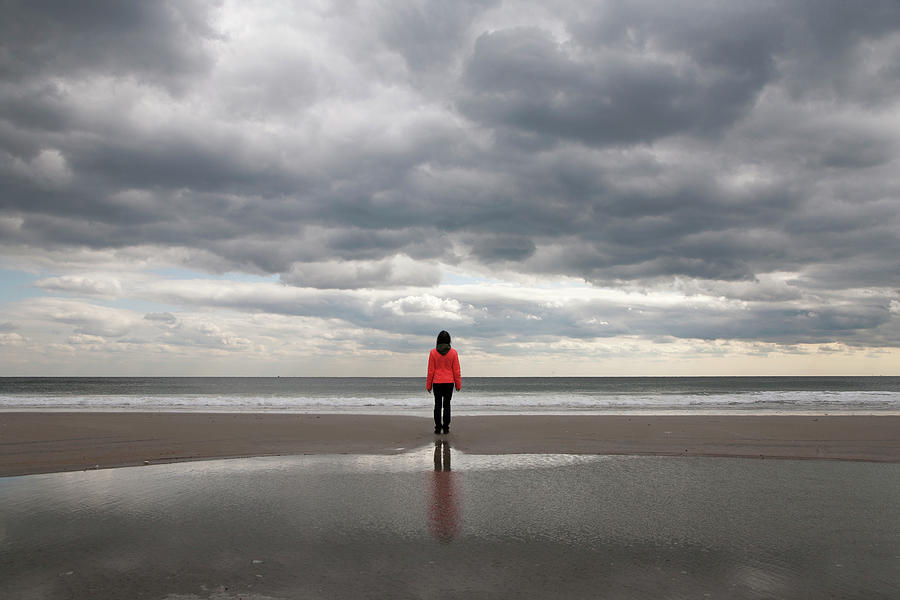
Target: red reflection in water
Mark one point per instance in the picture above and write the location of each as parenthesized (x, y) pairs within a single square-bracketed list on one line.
[(444, 514)]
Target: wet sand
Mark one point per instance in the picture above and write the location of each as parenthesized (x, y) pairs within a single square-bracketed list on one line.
[(50, 442), (489, 526)]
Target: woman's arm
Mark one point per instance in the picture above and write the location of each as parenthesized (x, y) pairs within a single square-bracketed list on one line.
[(457, 376), (430, 377)]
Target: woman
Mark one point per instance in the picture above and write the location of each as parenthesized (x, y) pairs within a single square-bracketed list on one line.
[(443, 372)]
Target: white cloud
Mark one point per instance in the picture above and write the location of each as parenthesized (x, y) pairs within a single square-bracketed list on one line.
[(11, 339), (427, 305), (83, 317), (99, 286), (83, 339)]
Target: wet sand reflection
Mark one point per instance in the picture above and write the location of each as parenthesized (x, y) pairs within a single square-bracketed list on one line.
[(444, 502)]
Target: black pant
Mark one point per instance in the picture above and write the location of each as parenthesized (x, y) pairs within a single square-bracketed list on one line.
[(442, 394)]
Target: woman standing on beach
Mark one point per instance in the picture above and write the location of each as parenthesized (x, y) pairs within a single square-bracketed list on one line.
[(443, 373)]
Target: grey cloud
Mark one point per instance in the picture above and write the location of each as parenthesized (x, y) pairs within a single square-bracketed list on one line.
[(627, 144), (523, 79), (865, 271), (362, 274), (165, 317), (39, 106), (811, 47), (428, 33), (256, 88), (779, 325), (493, 248), (830, 37), (763, 291), (175, 159), (491, 319), (160, 42), (855, 150)]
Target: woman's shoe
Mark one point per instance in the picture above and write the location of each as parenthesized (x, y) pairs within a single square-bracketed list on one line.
[(437, 429), (446, 428)]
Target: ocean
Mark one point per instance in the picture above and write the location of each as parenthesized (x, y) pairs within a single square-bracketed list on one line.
[(480, 395)]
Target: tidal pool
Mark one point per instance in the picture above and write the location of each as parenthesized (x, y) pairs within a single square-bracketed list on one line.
[(437, 523)]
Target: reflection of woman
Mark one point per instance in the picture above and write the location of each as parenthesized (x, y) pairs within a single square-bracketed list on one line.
[(443, 503), (443, 373)]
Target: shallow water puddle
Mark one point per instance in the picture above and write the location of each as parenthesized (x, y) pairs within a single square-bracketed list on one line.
[(397, 526)]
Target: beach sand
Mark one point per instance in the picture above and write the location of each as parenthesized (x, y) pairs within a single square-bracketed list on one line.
[(50, 442), (531, 508)]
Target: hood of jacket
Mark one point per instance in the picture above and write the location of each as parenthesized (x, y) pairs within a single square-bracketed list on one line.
[(443, 349)]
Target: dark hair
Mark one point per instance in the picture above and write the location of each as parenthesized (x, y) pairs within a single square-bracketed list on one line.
[(443, 338)]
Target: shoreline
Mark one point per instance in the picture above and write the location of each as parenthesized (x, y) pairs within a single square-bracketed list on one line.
[(46, 442), (464, 412)]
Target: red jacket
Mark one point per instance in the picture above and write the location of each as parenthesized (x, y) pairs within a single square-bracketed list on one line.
[(443, 368)]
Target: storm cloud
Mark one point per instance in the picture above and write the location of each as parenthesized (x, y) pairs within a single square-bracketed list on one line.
[(480, 164)]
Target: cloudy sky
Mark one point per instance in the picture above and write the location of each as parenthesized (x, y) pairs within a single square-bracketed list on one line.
[(318, 188)]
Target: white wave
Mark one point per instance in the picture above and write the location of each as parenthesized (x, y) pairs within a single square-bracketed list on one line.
[(463, 402)]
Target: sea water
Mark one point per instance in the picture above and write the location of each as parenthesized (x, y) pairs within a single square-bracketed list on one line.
[(407, 395)]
